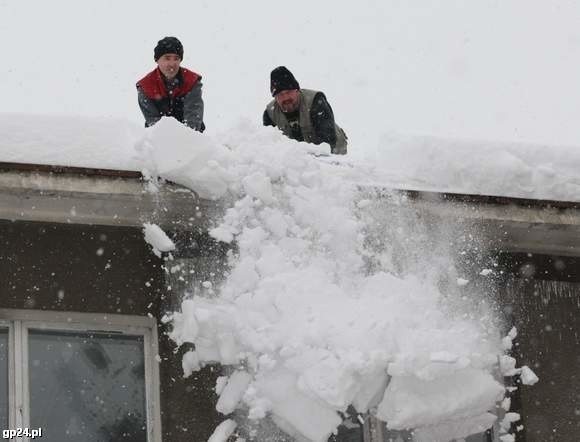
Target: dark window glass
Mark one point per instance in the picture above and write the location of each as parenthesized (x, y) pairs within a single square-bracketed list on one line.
[(87, 386)]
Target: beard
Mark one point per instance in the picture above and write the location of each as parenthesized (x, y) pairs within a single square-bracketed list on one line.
[(289, 105)]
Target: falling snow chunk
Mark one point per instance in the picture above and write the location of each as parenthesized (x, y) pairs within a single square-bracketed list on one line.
[(410, 402), (370, 392), (508, 419), (157, 239), (190, 363), (233, 392), (220, 384), (455, 429), (462, 282), (295, 412), (222, 234), (512, 417), (223, 431), (507, 365), (528, 377), (486, 272), (507, 341)]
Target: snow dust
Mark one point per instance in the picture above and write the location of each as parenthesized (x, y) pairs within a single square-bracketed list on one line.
[(316, 314)]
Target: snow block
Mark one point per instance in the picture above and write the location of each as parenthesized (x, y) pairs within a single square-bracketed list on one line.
[(410, 402), (223, 431), (299, 414), (233, 392)]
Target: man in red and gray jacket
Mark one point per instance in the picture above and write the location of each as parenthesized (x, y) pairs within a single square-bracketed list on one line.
[(171, 90)]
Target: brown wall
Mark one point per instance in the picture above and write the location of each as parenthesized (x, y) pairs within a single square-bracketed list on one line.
[(541, 297), (105, 269)]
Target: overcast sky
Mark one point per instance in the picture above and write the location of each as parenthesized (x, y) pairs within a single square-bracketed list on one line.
[(497, 70)]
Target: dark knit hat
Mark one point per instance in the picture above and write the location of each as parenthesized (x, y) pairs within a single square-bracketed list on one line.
[(168, 45), (281, 79)]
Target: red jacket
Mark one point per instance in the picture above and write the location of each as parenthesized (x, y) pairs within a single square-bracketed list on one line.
[(168, 104)]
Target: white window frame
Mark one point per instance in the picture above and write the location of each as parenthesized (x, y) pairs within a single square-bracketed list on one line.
[(19, 322)]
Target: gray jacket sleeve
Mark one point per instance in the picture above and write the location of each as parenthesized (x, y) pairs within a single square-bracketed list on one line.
[(193, 108), (149, 110)]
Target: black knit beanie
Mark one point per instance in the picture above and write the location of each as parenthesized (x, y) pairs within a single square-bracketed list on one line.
[(168, 45), (281, 79)]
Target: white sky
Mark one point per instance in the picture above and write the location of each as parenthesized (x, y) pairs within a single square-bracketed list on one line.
[(498, 70)]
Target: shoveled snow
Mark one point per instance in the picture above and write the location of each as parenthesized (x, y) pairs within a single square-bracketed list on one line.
[(308, 325)]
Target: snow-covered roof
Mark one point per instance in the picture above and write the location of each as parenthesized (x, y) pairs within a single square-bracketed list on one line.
[(89, 142), (398, 162)]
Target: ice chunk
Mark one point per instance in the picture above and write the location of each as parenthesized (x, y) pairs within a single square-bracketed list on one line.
[(223, 431), (508, 419), (220, 383), (371, 391), (329, 380), (233, 392), (454, 429), (190, 363), (410, 402), (507, 365), (300, 414), (528, 377), (157, 239)]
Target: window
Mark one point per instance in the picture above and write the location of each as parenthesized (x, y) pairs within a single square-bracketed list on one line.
[(78, 376)]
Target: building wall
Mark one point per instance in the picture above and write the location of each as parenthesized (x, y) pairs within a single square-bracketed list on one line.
[(81, 268), (541, 297)]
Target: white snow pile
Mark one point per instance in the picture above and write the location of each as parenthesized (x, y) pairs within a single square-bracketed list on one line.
[(307, 325)]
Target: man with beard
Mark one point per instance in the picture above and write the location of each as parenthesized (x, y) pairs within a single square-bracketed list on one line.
[(171, 90), (302, 114)]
